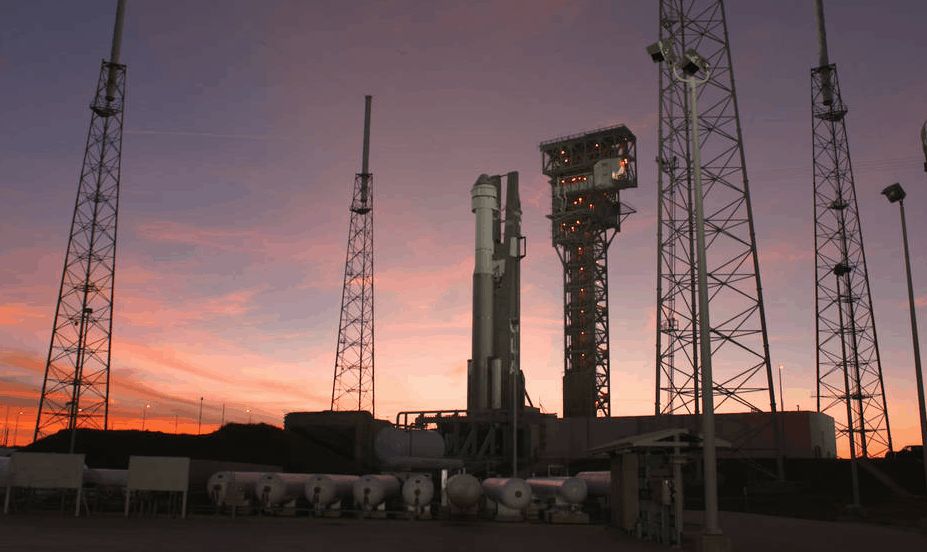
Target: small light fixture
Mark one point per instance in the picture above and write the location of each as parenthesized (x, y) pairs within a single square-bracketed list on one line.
[(894, 193), (692, 63), (660, 51)]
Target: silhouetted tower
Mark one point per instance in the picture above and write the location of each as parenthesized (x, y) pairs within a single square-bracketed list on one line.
[(586, 172), (353, 386), (742, 372), (75, 393), (849, 372)]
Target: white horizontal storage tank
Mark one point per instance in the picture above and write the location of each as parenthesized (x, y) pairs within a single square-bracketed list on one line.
[(371, 490), (599, 483), (218, 484), (511, 492), (324, 489), (418, 490), (391, 443), (107, 477), (464, 490), (571, 490), (273, 489)]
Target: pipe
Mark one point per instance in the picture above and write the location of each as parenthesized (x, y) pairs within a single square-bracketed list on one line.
[(365, 162), (823, 61), (822, 34), (116, 50)]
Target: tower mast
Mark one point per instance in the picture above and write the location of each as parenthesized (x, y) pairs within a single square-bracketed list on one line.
[(739, 344), (75, 390), (353, 384), (587, 173), (848, 368)]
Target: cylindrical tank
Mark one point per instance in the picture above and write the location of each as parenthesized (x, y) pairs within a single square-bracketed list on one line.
[(324, 489), (371, 490), (106, 477), (464, 490), (391, 442), (599, 483), (218, 484), (571, 490), (512, 492), (418, 490), (272, 489)]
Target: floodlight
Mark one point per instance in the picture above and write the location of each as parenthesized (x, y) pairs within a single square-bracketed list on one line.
[(692, 63), (894, 193), (660, 51)]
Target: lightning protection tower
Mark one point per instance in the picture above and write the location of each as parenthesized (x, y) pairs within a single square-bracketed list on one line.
[(75, 392), (353, 385), (740, 349), (849, 372), (586, 172)]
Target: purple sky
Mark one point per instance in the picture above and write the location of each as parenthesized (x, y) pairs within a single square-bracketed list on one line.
[(243, 133)]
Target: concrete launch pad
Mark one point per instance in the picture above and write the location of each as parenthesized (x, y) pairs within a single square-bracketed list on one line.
[(756, 533)]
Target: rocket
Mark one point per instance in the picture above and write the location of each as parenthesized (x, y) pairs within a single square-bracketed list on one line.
[(494, 377)]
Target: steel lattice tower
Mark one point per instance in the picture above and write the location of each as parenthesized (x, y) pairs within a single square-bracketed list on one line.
[(586, 214), (849, 372), (353, 386), (742, 372), (75, 392)]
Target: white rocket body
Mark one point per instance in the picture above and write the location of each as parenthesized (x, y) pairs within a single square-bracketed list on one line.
[(486, 207), (494, 375)]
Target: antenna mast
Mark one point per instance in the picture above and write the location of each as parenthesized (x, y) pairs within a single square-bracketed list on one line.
[(849, 371), (353, 385), (75, 391)]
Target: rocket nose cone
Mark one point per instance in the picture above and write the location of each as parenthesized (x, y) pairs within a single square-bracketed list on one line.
[(483, 179)]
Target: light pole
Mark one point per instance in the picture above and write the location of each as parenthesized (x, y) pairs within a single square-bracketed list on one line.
[(16, 433), (782, 403), (781, 395), (690, 64), (199, 420), (249, 415), (895, 193), (145, 415)]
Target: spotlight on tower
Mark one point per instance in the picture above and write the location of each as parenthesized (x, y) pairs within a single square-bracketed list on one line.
[(894, 193), (692, 63), (660, 51)]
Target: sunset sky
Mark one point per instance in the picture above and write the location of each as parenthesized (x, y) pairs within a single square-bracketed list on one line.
[(243, 132)]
